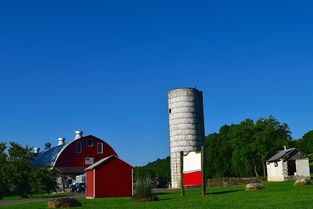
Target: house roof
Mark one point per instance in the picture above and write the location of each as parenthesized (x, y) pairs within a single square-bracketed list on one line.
[(47, 157), (287, 154), (104, 160)]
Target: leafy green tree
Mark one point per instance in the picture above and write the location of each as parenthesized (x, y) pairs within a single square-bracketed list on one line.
[(218, 152), (44, 180), (159, 168), (270, 135), (4, 174), (20, 168), (305, 144), (242, 149), (17, 174), (242, 157)]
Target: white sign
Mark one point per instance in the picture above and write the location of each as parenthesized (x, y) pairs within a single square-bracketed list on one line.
[(192, 162), (88, 160)]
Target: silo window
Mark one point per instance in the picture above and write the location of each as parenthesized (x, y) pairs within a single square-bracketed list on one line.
[(78, 147), (169, 110), (89, 142), (100, 148)]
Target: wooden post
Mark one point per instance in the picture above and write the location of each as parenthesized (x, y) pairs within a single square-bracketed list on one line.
[(182, 173), (203, 173)]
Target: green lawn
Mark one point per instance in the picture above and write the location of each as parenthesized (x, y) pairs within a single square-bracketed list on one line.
[(275, 195), (17, 197)]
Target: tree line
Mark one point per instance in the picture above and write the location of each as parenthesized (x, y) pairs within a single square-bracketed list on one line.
[(239, 150), (19, 176), (236, 150), (159, 168)]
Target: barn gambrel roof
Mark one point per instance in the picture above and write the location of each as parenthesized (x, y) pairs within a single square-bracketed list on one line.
[(47, 157), (50, 156)]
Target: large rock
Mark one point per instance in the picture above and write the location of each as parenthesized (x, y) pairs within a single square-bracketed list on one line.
[(64, 202), (254, 186), (302, 180)]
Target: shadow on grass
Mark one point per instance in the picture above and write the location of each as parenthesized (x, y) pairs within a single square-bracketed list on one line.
[(224, 192), (165, 199), (11, 197), (161, 193)]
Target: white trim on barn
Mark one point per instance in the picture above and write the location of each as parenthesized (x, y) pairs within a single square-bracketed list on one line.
[(94, 183)]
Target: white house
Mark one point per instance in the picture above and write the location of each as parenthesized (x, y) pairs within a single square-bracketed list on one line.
[(287, 163)]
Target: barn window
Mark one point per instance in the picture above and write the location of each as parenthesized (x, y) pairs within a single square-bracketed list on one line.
[(276, 164), (78, 147), (100, 148), (89, 142)]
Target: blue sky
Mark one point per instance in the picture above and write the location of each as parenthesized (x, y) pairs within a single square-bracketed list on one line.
[(105, 67)]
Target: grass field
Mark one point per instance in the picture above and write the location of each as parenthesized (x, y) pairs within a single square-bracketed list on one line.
[(34, 196), (275, 195)]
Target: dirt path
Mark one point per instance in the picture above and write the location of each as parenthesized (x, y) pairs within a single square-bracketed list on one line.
[(12, 202)]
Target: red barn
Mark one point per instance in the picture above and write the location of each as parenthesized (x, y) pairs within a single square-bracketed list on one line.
[(81, 153), (109, 177), (72, 158)]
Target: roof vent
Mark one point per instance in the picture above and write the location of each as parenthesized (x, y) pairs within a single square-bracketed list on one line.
[(78, 134), (61, 141), (36, 150), (48, 146), (285, 148)]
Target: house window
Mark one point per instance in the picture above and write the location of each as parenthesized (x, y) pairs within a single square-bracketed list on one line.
[(78, 147), (100, 148), (89, 142), (276, 164)]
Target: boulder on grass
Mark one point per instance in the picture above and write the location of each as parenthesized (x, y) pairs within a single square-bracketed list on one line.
[(254, 186), (64, 202), (302, 180)]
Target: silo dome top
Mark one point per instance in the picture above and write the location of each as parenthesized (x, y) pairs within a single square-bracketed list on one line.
[(185, 88), (182, 90)]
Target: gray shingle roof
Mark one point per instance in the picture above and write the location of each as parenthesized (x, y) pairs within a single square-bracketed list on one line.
[(283, 154)]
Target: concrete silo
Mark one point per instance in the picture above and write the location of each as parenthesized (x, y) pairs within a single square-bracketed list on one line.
[(186, 126)]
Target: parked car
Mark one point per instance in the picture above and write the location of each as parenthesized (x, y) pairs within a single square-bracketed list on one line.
[(78, 187)]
